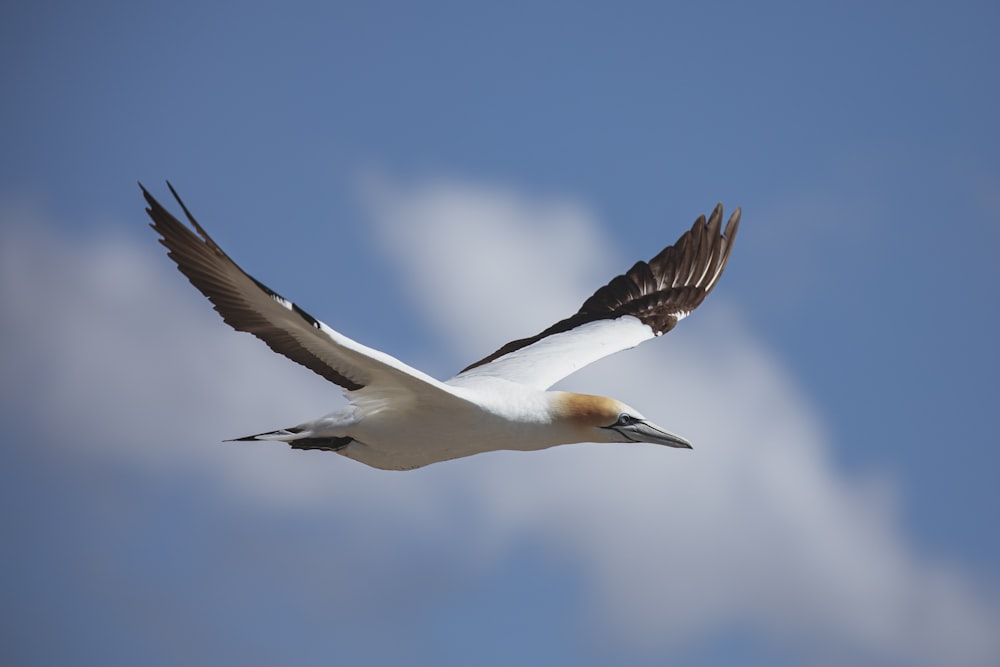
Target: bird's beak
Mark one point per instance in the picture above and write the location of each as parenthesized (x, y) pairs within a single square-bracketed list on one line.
[(644, 431)]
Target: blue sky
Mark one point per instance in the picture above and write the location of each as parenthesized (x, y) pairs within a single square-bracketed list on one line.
[(838, 386)]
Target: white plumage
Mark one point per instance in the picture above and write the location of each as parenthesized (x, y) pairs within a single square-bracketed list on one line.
[(399, 418)]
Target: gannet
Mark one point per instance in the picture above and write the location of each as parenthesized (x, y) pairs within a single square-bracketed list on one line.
[(398, 418)]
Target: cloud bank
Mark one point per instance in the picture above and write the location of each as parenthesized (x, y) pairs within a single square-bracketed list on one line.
[(756, 526), (109, 358)]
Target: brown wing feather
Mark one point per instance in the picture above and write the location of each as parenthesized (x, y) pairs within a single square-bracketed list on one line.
[(245, 303), (659, 292)]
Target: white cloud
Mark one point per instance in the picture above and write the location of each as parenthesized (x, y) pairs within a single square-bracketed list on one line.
[(507, 247), (111, 351), (755, 526)]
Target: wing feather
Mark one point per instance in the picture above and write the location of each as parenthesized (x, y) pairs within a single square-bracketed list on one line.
[(646, 301), (248, 305)]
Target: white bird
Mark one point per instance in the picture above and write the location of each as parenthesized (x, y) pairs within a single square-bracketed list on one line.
[(398, 418)]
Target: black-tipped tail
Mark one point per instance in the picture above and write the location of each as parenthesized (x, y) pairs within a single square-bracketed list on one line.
[(281, 434), (289, 435), (324, 444)]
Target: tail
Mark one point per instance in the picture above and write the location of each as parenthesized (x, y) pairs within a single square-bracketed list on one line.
[(298, 440)]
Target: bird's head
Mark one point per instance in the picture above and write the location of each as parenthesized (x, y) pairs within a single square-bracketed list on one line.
[(602, 419)]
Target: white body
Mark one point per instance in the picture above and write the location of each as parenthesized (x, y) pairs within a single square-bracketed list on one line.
[(475, 417), (399, 418)]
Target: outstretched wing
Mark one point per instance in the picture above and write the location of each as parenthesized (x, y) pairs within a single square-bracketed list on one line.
[(248, 305), (647, 301)]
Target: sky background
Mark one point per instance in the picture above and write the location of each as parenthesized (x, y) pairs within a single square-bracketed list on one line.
[(434, 179)]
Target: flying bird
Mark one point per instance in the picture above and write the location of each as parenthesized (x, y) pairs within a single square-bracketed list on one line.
[(399, 418)]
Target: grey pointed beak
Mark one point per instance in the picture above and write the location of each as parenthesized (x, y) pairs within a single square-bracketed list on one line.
[(644, 431)]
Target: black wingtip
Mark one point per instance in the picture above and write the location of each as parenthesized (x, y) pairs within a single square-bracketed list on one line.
[(733, 225), (151, 204), (717, 211), (181, 202), (174, 192), (145, 193), (154, 204)]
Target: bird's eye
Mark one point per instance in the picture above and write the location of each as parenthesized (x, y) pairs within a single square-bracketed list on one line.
[(624, 419)]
